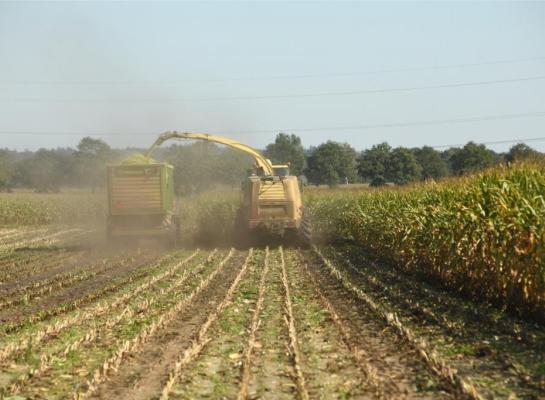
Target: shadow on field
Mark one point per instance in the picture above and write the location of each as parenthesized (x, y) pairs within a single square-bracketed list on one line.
[(247, 240), (48, 249), (226, 237), (157, 245)]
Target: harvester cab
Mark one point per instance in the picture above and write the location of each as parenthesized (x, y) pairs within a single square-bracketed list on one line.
[(281, 170)]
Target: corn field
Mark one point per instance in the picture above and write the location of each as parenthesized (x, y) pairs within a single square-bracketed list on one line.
[(483, 235), (392, 300), (43, 209), (208, 218)]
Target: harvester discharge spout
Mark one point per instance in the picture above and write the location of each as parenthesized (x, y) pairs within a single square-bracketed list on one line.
[(261, 162)]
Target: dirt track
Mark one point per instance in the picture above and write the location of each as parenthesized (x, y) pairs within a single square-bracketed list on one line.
[(255, 323)]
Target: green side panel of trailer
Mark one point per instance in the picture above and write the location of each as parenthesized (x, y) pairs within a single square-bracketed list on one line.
[(140, 189)]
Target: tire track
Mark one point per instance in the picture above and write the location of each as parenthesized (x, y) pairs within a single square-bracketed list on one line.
[(464, 385), (387, 274), (247, 358), (491, 349), (295, 353), (381, 387)]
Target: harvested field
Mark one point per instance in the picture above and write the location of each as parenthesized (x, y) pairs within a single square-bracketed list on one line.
[(80, 320)]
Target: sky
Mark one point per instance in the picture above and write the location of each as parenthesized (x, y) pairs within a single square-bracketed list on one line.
[(409, 73)]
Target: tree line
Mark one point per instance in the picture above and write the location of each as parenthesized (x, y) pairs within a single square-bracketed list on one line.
[(333, 163), (201, 166), (198, 166)]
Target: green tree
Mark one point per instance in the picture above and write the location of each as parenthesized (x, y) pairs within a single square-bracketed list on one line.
[(332, 163), (432, 164), (472, 157), (446, 156), (90, 161), (521, 151), (7, 170), (44, 172), (202, 166), (287, 148), (373, 163), (402, 167), (193, 166)]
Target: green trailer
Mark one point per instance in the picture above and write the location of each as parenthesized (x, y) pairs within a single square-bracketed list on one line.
[(141, 201)]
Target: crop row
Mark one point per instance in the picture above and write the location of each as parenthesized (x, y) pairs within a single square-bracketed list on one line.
[(252, 341), (511, 347), (202, 335), (41, 333), (426, 351), (359, 354), (293, 346), (25, 293), (29, 263), (100, 374), (142, 270), (141, 308)]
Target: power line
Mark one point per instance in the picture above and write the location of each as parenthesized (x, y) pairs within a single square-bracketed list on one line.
[(315, 129), (537, 139), (414, 123), (281, 77), (285, 96)]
